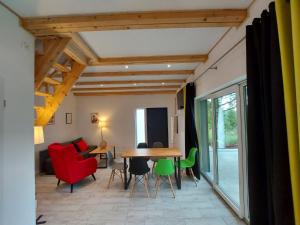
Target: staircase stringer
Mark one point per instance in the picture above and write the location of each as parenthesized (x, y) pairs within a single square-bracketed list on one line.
[(52, 51), (53, 102)]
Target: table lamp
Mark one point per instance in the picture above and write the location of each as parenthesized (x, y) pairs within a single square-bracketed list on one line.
[(38, 135)]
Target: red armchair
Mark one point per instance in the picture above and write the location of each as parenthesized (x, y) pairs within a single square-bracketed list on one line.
[(69, 166)]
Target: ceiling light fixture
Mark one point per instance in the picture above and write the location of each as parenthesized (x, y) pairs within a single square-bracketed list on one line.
[(168, 65), (163, 83), (126, 66), (134, 84), (101, 85)]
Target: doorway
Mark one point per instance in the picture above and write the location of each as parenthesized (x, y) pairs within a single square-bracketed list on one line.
[(152, 126)]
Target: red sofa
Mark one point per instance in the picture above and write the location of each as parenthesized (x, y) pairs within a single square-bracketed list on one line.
[(68, 165)]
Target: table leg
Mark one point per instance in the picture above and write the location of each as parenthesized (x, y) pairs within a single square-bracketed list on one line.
[(125, 174), (126, 182), (175, 163), (179, 175)]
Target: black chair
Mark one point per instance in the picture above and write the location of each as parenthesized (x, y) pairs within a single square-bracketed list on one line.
[(142, 145), (139, 168)]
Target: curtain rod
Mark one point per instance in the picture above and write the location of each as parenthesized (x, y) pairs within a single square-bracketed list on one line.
[(219, 59)]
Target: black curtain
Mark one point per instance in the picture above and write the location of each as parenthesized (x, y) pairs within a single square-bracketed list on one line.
[(191, 139), (157, 126), (270, 197)]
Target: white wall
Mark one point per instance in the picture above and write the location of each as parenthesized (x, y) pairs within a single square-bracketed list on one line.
[(179, 138), (17, 69), (1, 147), (232, 67), (59, 131), (119, 111)]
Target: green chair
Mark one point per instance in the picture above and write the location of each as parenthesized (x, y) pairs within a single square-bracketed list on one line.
[(189, 162), (164, 167)]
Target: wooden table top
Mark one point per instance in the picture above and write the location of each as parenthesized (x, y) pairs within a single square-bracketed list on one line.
[(99, 150), (151, 152)]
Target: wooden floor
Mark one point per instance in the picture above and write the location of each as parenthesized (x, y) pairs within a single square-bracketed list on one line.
[(93, 204)]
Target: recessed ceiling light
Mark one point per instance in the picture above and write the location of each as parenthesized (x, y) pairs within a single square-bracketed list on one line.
[(134, 84), (126, 66), (169, 65), (101, 85), (163, 83)]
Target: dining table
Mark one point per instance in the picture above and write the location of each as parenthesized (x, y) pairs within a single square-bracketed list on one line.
[(152, 152)]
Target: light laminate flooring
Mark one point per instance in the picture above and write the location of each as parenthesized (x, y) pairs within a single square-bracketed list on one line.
[(93, 204)]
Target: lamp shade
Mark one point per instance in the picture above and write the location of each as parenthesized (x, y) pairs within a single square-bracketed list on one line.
[(38, 135)]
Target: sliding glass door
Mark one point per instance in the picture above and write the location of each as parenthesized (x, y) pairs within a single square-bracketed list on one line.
[(226, 129), (221, 136), (206, 124)]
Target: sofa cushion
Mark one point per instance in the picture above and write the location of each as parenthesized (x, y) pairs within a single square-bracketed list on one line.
[(82, 145)]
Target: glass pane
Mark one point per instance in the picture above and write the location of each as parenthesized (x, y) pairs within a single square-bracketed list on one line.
[(227, 145), (206, 138), (140, 126)]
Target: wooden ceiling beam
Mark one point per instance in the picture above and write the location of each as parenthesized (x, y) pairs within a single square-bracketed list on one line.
[(131, 82), (150, 60), (138, 73), (125, 93), (127, 88), (134, 20)]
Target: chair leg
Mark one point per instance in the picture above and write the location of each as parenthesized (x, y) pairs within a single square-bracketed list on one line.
[(121, 171), (71, 188), (113, 177), (171, 186), (192, 173), (94, 176), (157, 186), (146, 185), (133, 186), (110, 178), (153, 166), (58, 182)]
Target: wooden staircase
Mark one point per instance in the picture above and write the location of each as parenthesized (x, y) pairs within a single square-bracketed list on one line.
[(56, 60)]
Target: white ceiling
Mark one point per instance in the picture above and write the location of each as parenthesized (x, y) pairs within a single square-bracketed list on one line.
[(144, 42), (177, 66), (32, 8), (159, 77), (153, 41)]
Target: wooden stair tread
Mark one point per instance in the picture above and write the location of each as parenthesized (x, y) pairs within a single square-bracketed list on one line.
[(42, 94), (61, 68), (38, 107), (52, 81)]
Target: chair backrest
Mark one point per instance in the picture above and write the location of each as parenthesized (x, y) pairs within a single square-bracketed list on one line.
[(157, 144), (164, 167), (142, 145), (139, 166), (61, 157), (192, 155)]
